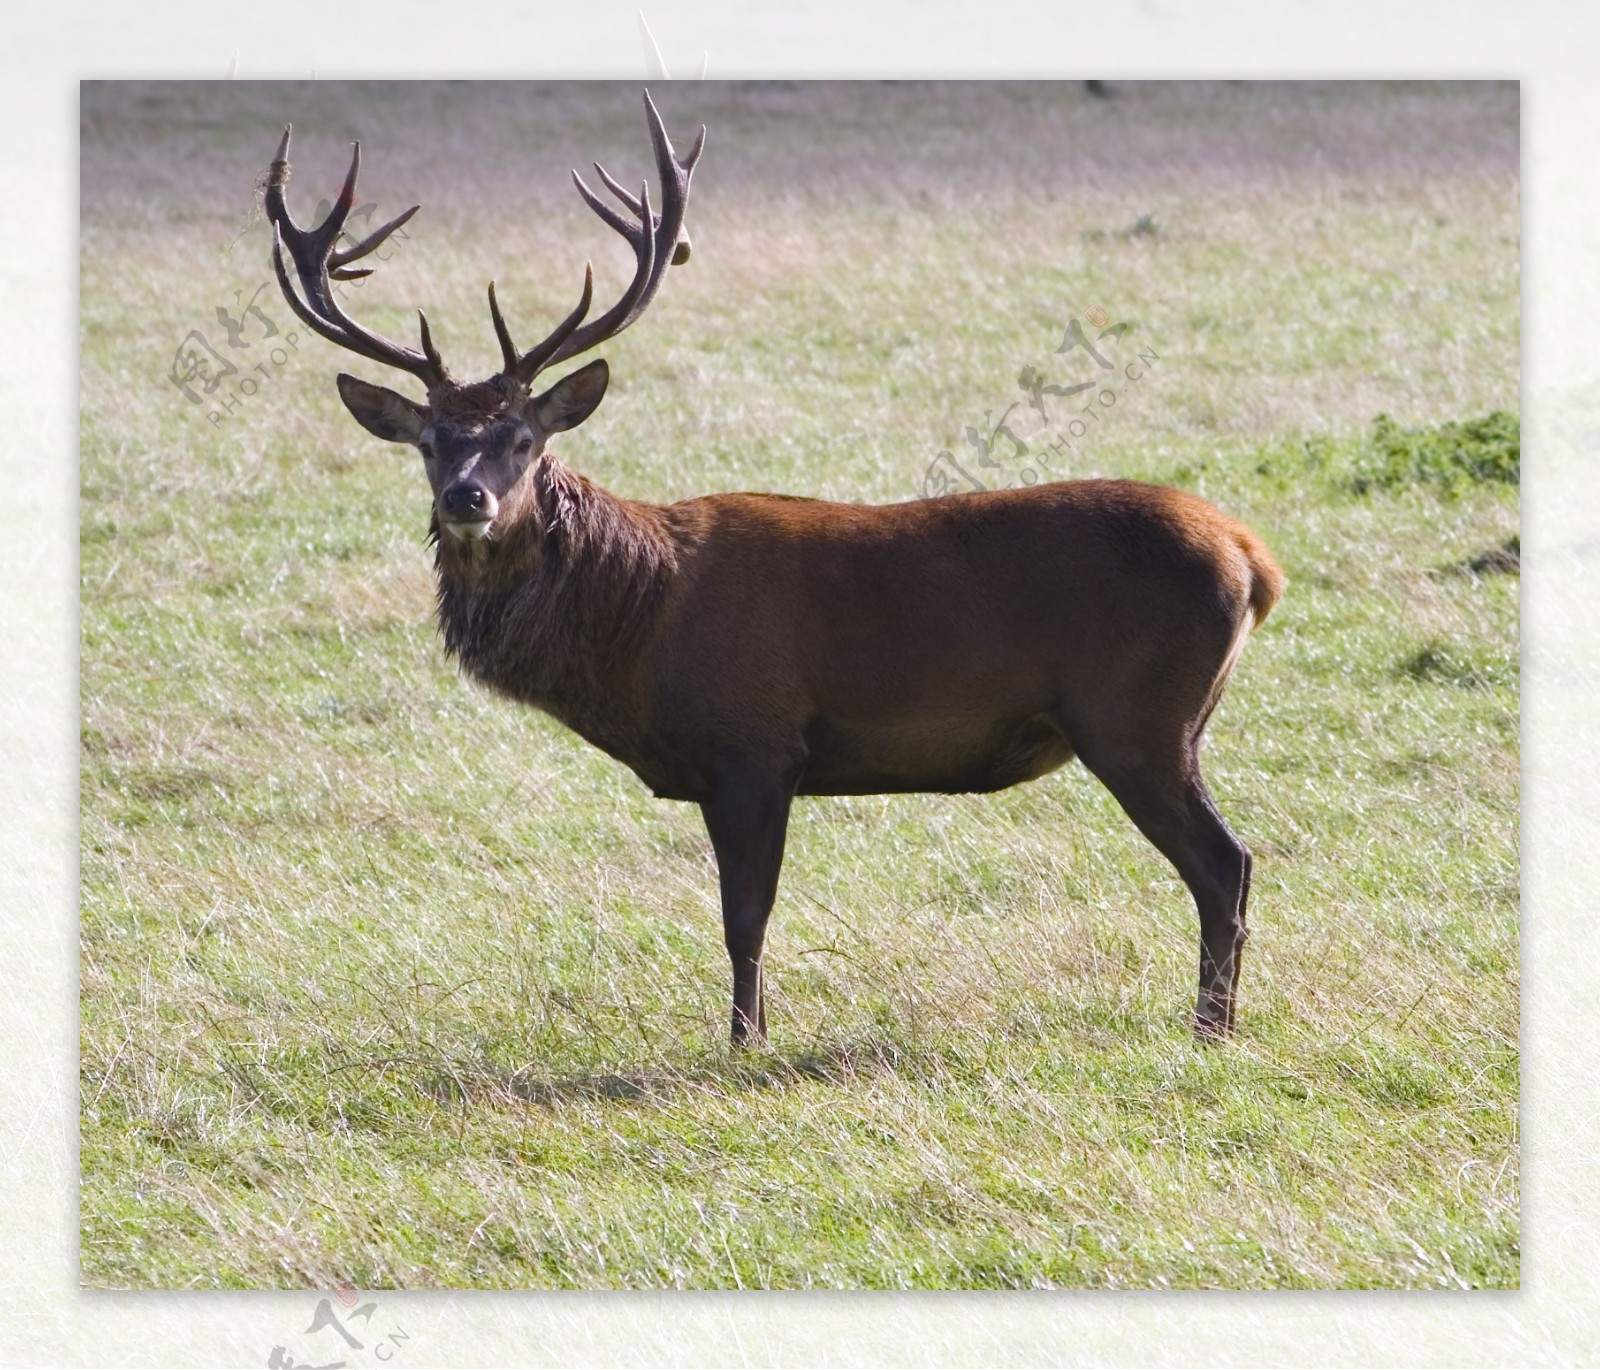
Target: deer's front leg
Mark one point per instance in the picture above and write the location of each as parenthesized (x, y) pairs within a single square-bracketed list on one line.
[(747, 821)]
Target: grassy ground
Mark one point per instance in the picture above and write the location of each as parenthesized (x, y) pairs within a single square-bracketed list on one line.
[(387, 982)]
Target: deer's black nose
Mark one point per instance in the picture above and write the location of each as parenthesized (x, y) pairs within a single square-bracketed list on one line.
[(465, 500)]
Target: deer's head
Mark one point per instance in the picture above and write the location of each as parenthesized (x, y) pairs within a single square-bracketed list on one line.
[(478, 440)]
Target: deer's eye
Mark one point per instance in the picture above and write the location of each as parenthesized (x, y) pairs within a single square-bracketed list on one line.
[(426, 448), (524, 447)]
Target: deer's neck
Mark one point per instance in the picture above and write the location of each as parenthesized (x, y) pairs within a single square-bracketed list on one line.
[(557, 609)]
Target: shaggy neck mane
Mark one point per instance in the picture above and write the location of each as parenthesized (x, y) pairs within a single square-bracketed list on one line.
[(548, 608)]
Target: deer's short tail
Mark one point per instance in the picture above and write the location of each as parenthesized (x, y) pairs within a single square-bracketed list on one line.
[(1266, 577)]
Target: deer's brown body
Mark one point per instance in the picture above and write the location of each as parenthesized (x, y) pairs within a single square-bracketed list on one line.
[(958, 645), (738, 650)]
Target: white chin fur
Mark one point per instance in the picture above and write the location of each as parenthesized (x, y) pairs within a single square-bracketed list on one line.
[(468, 532)]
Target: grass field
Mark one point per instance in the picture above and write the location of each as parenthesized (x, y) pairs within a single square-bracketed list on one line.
[(389, 983)]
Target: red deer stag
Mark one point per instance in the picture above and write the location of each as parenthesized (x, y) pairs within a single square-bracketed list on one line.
[(737, 650)]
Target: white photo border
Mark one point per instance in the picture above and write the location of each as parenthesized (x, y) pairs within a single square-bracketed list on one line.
[(1554, 1319)]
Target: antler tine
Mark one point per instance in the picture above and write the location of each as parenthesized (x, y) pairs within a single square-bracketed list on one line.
[(657, 241), (376, 239), (616, 188), (428, 349), (663, 144), (508, 349), (331, 227), (604, 210), (526, 367), (317, 265)]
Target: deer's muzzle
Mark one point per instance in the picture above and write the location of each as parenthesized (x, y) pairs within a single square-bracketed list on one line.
[(466, 509)]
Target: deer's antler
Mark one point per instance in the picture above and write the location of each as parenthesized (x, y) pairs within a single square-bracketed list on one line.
[(658, 241), (318, 265)]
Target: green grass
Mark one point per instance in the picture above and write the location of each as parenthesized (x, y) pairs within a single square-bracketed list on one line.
[(1453, 456), (388, 982)]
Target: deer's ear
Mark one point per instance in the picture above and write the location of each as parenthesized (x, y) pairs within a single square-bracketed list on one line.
[(381, 412), (571, 399)]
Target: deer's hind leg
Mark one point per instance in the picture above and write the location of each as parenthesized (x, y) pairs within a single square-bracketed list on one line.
[(1165, 795)]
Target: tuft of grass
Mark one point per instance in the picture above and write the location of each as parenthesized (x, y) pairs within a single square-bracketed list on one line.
[(1452, 456), (1449, 664), (1505, 559), (387, 982)]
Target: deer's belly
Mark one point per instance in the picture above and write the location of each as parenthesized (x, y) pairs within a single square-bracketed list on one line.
[(929, 754)]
